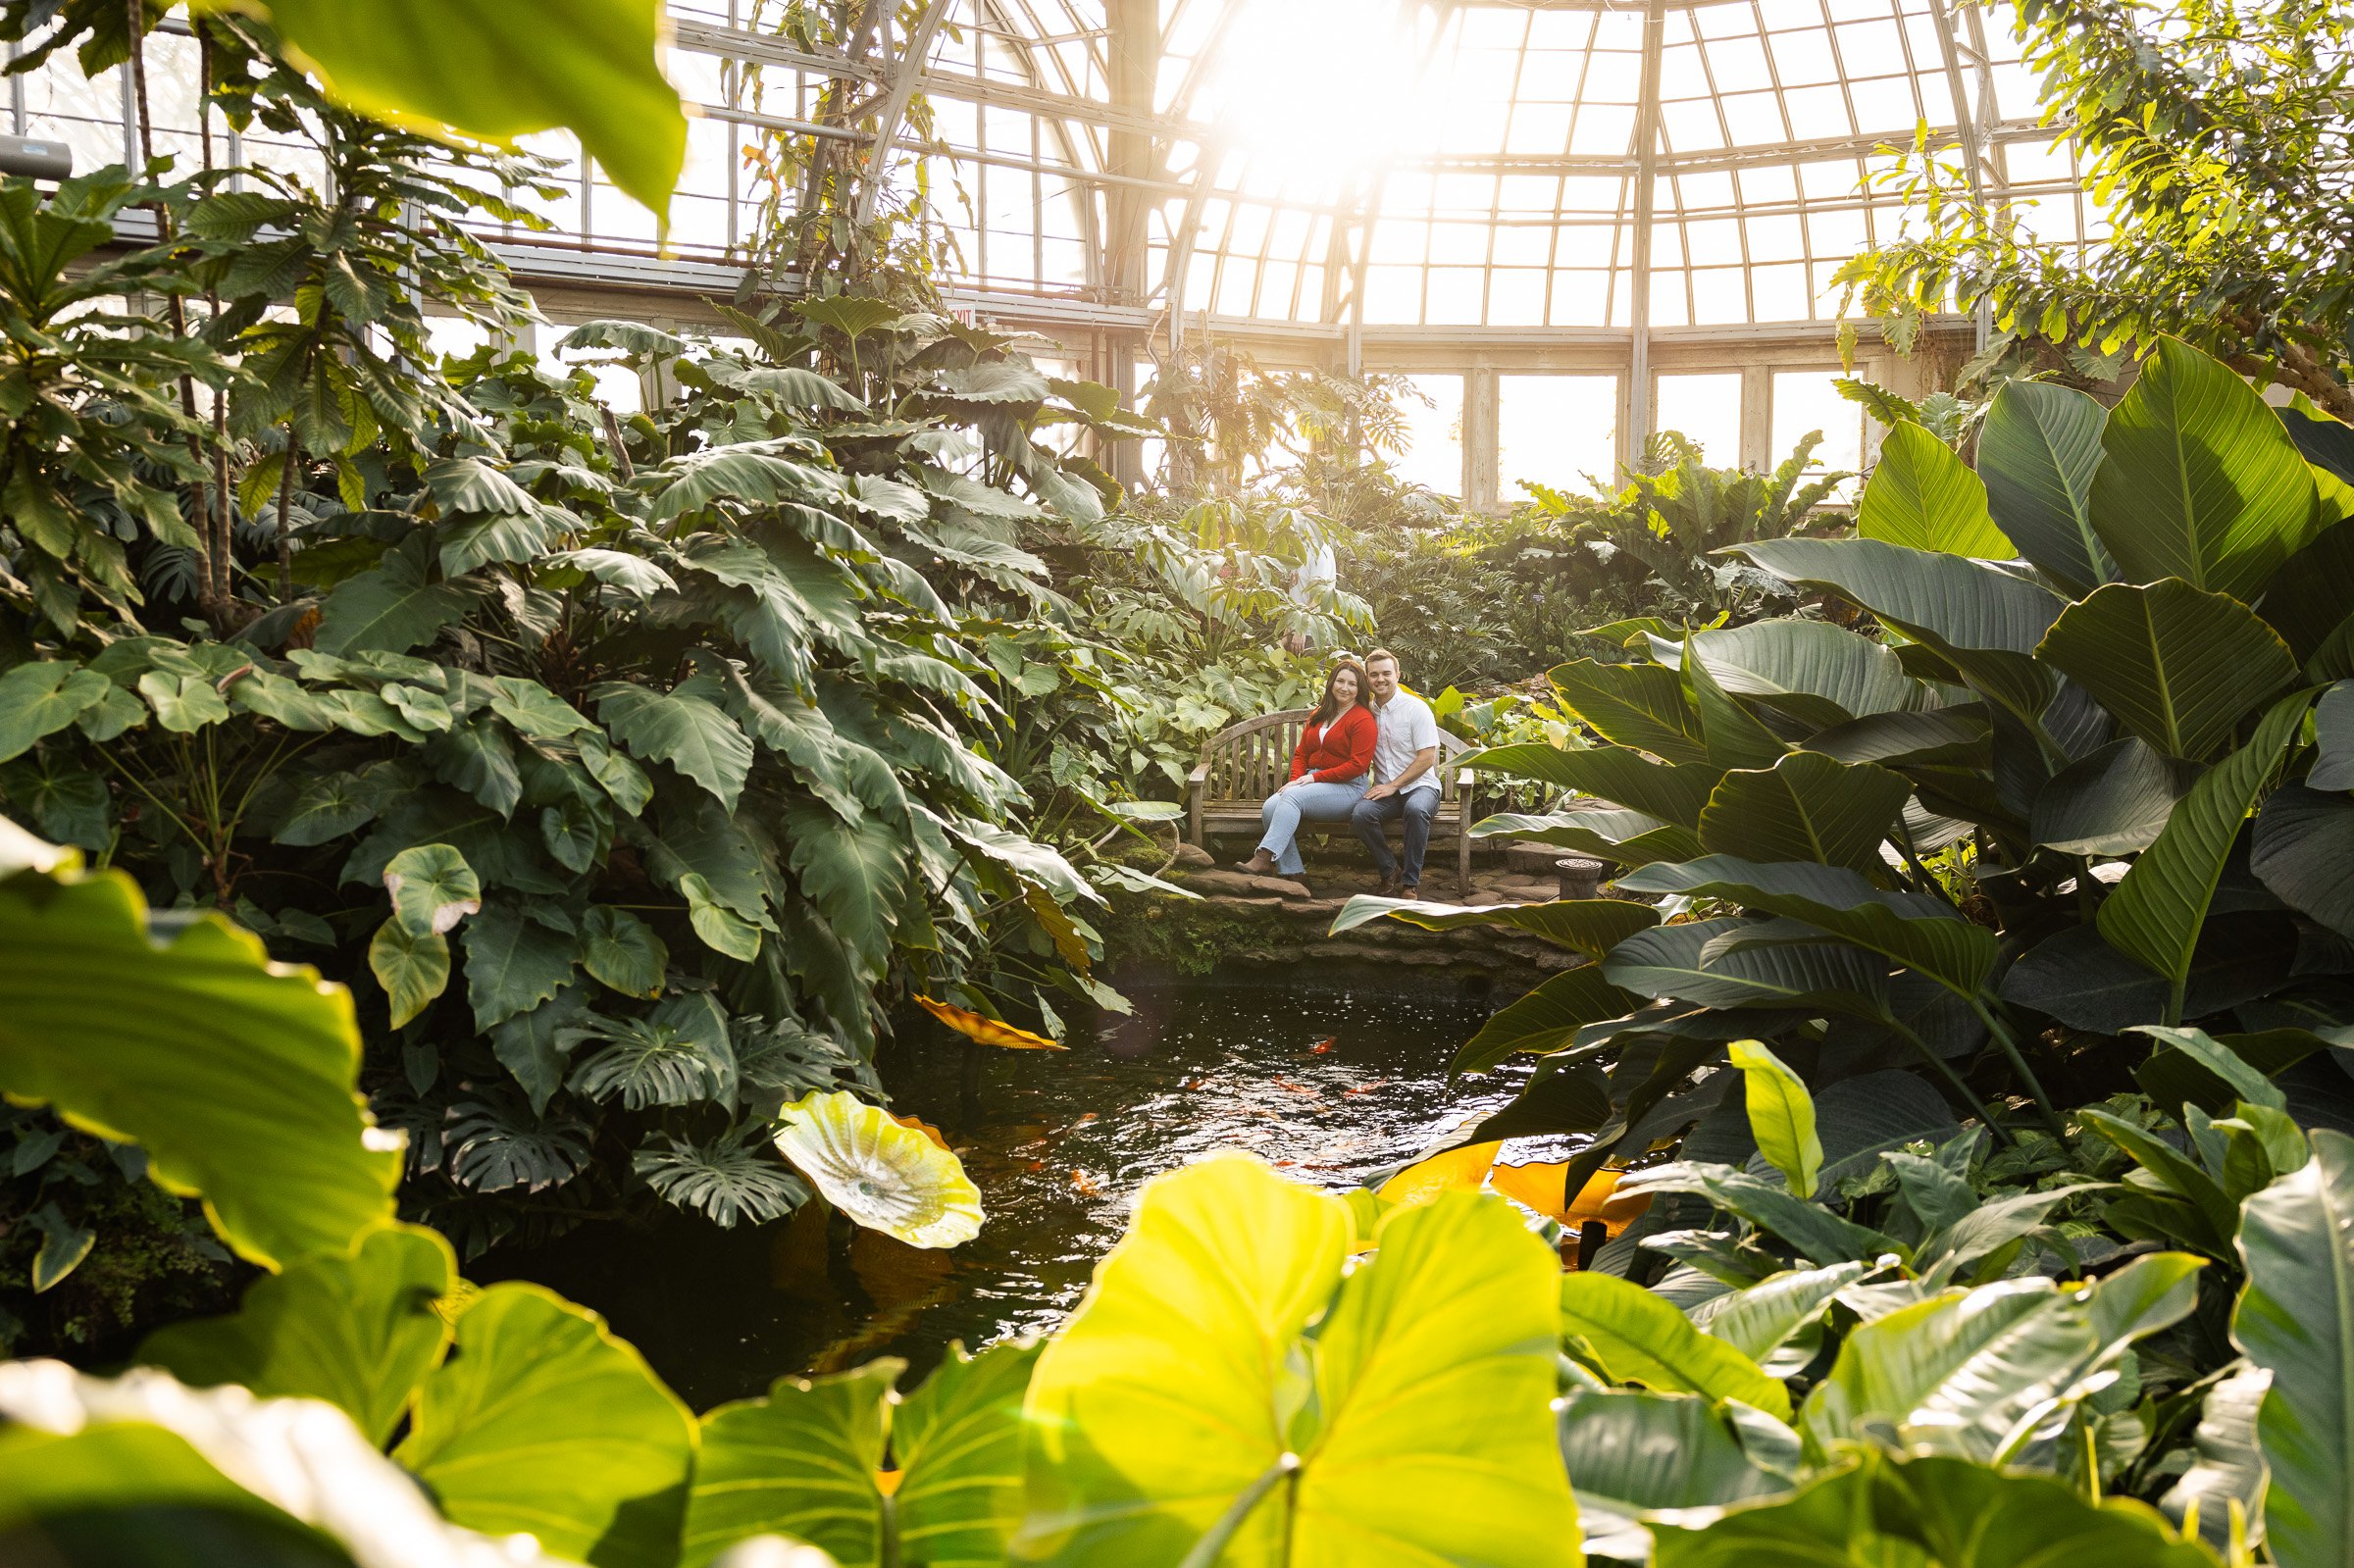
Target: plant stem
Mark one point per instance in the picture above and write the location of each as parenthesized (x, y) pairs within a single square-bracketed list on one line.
[(1945, 1069), (285, 517), (2009, 1042), (1213, 1543)]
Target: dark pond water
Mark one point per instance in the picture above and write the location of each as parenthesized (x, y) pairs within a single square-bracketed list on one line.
[(1059, 1143)]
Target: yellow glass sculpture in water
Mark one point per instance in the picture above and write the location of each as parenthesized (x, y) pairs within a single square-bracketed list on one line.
[(886, 1176)]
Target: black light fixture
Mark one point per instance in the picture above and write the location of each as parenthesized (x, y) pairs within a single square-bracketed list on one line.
[(36, 157)]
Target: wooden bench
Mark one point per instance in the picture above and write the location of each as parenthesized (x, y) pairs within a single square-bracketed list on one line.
[(1246, 762)]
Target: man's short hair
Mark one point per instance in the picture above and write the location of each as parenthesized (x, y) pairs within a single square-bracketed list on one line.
[(1384, 653)]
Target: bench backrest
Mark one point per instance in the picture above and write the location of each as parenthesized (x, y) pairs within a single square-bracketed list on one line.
[(1250, 761)]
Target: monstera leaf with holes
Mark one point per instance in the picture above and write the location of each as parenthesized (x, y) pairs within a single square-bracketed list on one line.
[(2068, 758)]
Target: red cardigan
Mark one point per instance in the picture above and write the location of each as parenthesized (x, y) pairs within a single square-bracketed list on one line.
[(1336, 752)]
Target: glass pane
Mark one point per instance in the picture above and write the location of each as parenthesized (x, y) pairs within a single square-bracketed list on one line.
[(1805, 400), (1557, 431), (1705, 410), (1434, 445)]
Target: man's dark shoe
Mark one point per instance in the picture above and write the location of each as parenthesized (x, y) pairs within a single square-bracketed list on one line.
[(1411, 891), (1389, 886)]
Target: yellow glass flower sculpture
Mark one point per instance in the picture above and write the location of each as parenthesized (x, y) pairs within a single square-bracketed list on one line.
[(887, 1177)]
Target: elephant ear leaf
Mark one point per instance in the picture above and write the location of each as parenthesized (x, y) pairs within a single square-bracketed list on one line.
[(1925, 498), (1782, 1115), (2202, 482), (2296, 1319)]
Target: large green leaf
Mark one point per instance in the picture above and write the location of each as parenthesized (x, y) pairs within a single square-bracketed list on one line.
[(2178, 667), (1817, 673), (2333, 739), (1591, 926), (957, 1441), (1629, 1453), (433, 888), (38, 699), (1927, 1513), (412, 967), (1759, 1319), (513, 964), (2201, 481), (2230, 1466), (1959, 1374), (137, 1470), (857, 874), (541, 1421), (359, 1332), (1672, 792), (237, 1074), (2155, 914), (1639, 705), (2110, 801), (1543, 1020), (2039, 450), (1804, 807), (1922, 496), (1811, 1230), (622, 951), (390, 609), (2305, 853), (1176, 1393), (1985, 621), (2296, 1320), (681, 729), (1919, 931), (1636, 1335), (1782, 1114), (504, 71), (1736, 737), (800, 1462), (1698, 963), (1627, 837)]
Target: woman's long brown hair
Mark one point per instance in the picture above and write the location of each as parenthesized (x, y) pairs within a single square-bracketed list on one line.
[(1331, 708)]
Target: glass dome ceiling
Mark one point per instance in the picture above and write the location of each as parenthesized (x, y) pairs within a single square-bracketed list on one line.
[(1479, 192)]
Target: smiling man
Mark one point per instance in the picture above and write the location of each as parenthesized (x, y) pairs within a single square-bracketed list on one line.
[(1405, 779)]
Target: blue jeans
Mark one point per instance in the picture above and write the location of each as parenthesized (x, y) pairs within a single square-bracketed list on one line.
[(1372, 818), (1314, 802)]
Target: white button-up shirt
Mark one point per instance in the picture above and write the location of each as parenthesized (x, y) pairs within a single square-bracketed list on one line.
[(1401, 727)]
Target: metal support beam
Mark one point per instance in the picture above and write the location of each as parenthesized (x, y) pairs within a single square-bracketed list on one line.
[(1970, 132), (1647, 160), (905, 73), (1483, 430)]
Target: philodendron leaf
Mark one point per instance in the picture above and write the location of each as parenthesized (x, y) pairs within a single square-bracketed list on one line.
[(2178, 667), (623, 953), (1759, 1319), (413, 969), (359, 1332), (2296, 1319), (2110, 801), (2202, 482), (681, 729), (1949, 1513), (2305, 853), (164, 1045), (805, 1462), (2154, 916), (433, 888), (42, 697), (1962, 1374), (1630, 1452), (1782, 1115), (541, 1421), (1670, 792), (1812, 1231), (1175, 1394), (1624, 837), (1639, 705), (1636, 1335), (1922, 496)]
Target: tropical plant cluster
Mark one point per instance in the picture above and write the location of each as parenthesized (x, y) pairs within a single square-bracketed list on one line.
[(1856, 1361)]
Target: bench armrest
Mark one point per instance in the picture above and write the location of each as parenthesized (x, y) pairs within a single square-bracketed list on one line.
[(1197, 778)]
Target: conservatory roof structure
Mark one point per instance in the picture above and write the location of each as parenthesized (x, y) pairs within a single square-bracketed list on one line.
[(1476, 189)]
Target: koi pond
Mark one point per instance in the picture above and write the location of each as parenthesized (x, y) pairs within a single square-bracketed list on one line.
[(1329, 1076)]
